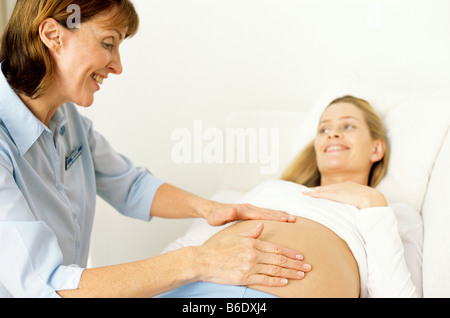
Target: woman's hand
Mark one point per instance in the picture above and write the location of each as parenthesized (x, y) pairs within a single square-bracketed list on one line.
[(244, 260), (221, 214), (351, 193), (172, 202)]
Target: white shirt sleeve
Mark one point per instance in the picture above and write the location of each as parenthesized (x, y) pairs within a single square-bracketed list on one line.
[(393, 239)]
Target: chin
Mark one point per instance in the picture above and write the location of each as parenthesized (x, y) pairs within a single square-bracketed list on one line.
[(334, 165), (85, 102)]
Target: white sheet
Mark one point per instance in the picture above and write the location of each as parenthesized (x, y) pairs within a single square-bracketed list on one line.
[(385, 262)]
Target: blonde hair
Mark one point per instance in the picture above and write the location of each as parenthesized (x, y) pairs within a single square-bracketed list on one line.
[(26, 62), (304, 170)]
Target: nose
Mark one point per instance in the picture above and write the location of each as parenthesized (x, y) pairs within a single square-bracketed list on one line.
[(115, 66), (334, 133)]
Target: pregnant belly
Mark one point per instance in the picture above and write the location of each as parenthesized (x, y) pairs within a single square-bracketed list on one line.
[(334, 269)]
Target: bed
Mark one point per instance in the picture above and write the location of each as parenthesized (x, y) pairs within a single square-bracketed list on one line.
[(419, 173)]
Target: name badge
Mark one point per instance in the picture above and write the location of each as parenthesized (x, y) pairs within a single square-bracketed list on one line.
[(70, 159)]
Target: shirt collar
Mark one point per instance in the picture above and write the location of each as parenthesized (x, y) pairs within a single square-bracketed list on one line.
[(20, 122)]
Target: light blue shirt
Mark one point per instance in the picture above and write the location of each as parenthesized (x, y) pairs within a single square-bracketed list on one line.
[(49, 178)]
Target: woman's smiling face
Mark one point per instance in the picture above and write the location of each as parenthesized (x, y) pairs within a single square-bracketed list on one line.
[(85, 59), (343, 143)]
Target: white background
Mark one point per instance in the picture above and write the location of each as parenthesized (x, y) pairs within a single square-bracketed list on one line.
[(201, 59)]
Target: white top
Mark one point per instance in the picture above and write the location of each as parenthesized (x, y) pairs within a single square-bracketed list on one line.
[(385, 241)]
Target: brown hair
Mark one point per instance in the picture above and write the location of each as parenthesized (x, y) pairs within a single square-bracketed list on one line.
[(304, 169), (26, 62)]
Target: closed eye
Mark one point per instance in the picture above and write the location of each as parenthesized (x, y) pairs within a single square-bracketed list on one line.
[(108, 46), (108, 43)]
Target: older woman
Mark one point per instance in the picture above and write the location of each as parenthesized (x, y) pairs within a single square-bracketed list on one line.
[(344, 225), (52, 164)]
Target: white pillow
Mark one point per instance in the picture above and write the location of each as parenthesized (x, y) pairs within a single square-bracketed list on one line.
[(436, 219), (416, 124)]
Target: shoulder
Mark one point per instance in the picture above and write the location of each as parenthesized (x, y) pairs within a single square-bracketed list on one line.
[(278, 183), (275, 188), (8, 149)]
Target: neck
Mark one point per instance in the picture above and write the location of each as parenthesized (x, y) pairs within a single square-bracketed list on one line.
[(43, 107), (341, 178)]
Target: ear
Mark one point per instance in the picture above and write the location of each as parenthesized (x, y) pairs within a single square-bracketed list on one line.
[(378, 151), (50, 32)]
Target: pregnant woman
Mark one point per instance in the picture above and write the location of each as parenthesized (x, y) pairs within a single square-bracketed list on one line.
[(358, 245)]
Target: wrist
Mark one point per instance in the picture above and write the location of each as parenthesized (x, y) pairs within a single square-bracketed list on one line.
[(196, 267), (193, 266), (206, 208)]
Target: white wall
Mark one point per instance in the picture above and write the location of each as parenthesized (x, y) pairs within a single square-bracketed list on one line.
[(6, 7), (3, 16), (201, 59)]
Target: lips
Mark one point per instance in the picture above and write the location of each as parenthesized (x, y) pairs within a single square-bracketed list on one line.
[(335, 148)]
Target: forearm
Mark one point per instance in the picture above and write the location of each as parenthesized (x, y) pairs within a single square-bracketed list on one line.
[(172, 202), (141, 279), (389, 275), (236, 260), (360, 196)]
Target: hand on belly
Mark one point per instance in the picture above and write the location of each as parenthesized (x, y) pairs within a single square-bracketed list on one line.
[(334, 270)]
